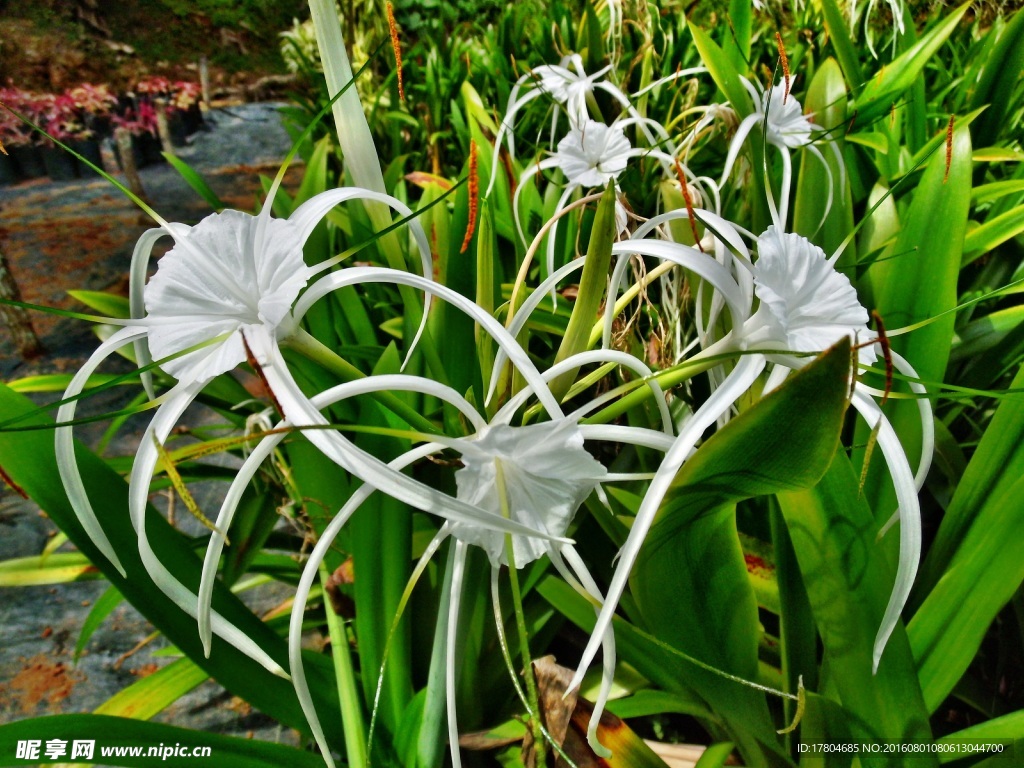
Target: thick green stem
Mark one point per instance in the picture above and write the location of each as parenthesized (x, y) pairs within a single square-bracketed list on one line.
[(536, 726), (348, 691)]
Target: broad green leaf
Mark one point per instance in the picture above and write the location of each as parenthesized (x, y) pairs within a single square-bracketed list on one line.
[(195, 180), (848, 581), (152, 694), (58, 382), (1008, 728), (988, 193), (736, 34), (381, 533), (715, 755), (996, 465), (826, 100), (896, 78), (919, 285), (846, 51), (991, 234), (591, 291), (108, 304), (28, 459), (999, 78), (58, 568), (722, 71), (111, 732), (987, 569), (692, 551)]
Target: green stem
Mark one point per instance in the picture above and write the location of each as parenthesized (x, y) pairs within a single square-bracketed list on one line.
[(348, 692), (311, 348), (536, 726), (668, 378)]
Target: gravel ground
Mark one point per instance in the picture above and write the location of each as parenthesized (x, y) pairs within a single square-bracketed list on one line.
[(74, 235)]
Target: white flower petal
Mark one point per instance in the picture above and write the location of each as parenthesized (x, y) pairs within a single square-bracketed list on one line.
[(546, 474), (811, 304), (909, 516), (64, 447), (739, 381), (215, 281), (593, 154)]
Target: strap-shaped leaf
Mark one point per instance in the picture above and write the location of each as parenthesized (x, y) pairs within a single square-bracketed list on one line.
[(28, 459), (785, 441), (107, 731)]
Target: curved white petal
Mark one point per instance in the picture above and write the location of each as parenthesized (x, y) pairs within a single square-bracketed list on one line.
[(909, 515), (309, 573), (513, 350), (138, 492), (301, 411), (64, 446), (747, 369), (458, 564)]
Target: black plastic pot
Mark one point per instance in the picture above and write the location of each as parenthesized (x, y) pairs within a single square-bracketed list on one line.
[(8, 173), (90, 150), (28, 161), (60, 165), (193, 119), (148, 149), (177, 127)]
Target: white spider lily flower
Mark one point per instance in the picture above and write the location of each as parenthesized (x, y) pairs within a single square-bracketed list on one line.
[(539, 475), (803, 305), (228, 284), (534, 478), (570, 87), (785, 127), (591, 155), (806, 305)]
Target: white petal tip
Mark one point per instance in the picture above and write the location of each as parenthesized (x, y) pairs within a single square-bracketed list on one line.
[(599, 749)]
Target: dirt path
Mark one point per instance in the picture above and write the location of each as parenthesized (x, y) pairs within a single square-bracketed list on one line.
[(75, 235), (80, 234)]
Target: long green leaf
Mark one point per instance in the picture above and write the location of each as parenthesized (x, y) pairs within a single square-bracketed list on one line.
[(998, 80), (785, 441), (848, 581), (119, 732), (895, 79), (28, 459), (988, 568)]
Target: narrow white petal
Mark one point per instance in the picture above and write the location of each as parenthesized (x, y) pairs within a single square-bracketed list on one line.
[(737, 143), (301, 411), (512, 349), (924, 406), (909, 516), (459, 566), (607, 653), (690, 258), (136, 300), (309, 574), (522, 316), (138, 491), (64, 445), (747, 369)]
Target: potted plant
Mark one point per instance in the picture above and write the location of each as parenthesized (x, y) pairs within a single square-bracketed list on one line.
[(96, 103), (18, 138), (185, 108), (61, 123), (140, 122)]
